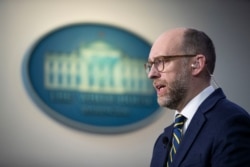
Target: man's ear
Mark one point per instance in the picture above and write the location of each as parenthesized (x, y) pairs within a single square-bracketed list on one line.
[(199, 63)]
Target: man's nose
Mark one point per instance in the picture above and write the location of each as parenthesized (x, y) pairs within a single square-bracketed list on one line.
[(153, 73)]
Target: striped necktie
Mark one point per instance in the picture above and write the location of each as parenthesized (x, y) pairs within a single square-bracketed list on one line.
[(177, 135)]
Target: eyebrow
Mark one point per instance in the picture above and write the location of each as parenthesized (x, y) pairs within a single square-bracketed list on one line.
[(160, 56), (171, 56), (150, 60)]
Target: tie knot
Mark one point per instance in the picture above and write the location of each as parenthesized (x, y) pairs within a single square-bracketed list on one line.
[(179, 121)]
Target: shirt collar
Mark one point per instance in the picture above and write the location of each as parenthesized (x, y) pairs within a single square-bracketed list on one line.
[(190, 109)]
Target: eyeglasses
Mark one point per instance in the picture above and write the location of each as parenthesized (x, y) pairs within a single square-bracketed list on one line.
[(162, 61)]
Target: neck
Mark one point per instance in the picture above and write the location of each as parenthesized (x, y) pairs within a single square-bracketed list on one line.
[(192, 92)]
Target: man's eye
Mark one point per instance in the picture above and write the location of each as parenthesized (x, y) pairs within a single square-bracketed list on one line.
[(166, 60), (161, 61), (157, 62)]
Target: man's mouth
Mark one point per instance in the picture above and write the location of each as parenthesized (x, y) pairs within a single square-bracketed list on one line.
[(160, 88)]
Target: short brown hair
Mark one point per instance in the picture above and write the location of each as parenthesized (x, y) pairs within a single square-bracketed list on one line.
[(197, 42)]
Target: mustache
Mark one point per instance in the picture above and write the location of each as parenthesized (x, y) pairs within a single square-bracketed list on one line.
[(160, 83)]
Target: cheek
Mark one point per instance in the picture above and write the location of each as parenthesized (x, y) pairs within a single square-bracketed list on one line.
[(169, 77), (173, 71)]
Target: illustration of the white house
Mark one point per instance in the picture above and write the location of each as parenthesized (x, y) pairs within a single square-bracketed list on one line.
[(96, 67)]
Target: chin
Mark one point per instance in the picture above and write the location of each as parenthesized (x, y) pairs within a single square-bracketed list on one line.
[(163, 102)]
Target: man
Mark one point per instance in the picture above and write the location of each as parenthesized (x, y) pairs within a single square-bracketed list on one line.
[(216, 132)]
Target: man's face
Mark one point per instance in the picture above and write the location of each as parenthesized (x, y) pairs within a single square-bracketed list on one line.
[(171, 84)]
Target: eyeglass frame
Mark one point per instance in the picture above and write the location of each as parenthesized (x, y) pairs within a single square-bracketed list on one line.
[(163, 59)]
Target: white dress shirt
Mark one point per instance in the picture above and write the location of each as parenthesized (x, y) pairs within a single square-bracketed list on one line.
[(190, 109)]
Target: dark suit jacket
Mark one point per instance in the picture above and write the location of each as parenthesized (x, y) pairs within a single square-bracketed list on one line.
[(217, 136)]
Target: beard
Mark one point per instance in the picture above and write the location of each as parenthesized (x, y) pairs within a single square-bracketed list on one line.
[(177, 92)]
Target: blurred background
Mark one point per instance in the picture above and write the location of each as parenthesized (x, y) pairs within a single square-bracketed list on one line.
[(28, 137)]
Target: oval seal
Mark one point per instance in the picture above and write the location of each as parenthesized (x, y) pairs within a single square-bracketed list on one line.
[(91, 77)]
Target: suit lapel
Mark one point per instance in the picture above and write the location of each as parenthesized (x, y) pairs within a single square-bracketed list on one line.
[(168, 133), (196, 125)]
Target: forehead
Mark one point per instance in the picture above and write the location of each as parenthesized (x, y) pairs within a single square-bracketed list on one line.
[(169, 43)]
